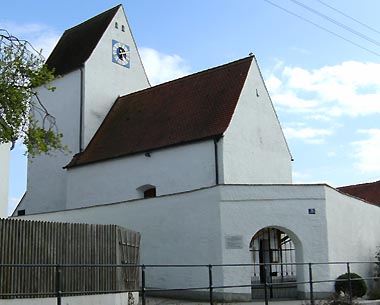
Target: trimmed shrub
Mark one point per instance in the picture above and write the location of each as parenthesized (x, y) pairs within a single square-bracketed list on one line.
[(358, 285)]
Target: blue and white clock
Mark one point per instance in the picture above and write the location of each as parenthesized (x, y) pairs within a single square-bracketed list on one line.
[(121, 54)]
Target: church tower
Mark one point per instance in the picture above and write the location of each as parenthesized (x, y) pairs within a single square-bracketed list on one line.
[(95, 62)]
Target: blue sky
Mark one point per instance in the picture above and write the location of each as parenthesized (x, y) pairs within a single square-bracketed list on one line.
[(325, 89)]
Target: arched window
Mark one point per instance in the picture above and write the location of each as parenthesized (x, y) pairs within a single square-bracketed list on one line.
[(147, 191), (123, 28), (116, 25)]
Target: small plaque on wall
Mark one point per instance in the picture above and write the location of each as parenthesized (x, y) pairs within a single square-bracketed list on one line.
[(234, 242)]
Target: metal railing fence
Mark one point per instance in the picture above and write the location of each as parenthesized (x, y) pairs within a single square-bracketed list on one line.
[(310, 280)]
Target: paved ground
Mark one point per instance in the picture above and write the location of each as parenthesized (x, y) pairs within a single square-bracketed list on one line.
[(164, 301)]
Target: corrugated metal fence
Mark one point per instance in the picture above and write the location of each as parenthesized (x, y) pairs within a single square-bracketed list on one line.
[(37, 242)]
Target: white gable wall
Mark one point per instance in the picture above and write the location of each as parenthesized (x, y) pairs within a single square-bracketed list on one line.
[(254, 147), (4, 179), (46, 179), (170, 170), (105, 80)]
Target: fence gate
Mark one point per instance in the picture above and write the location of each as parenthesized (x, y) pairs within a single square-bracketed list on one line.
[(273, 247)]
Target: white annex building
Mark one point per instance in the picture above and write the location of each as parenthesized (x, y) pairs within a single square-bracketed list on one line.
[(199, 165)]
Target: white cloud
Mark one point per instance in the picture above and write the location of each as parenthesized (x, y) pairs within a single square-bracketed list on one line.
[(367, 151), (291, 101), (163, 67), (42, 37), (300, 177), (310, 135), (348, 89), (12, 204)]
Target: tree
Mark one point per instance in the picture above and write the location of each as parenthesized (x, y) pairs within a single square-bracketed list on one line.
[(23, 116)]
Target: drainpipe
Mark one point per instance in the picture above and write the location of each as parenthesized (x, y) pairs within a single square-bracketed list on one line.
[(81, 108), (216, 140)]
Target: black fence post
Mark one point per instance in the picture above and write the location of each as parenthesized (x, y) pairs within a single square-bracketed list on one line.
[(58, 276), (311, 284), (143, 284), (210, 284), (349, 282), (265, 285)]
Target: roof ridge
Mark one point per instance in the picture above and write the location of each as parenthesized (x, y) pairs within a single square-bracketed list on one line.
[(94, 17), (192, 75)]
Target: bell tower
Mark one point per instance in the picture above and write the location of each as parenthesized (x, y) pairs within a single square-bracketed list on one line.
[(95, 62)]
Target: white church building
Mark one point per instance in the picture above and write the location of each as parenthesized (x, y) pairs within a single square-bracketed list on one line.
[(199, 166)]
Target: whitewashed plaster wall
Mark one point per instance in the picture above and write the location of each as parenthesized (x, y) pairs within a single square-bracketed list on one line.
[(245, 210), (176, 229), (192, 227), (4, 179), (354, 225), (105, 80), (171, 170), (46, 179), (254, 147)]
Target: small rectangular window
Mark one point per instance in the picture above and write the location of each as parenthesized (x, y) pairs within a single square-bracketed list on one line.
[(150, 193)]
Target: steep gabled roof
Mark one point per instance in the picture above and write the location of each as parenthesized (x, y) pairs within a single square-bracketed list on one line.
[(368, 191), (192, 108), (77, 43)]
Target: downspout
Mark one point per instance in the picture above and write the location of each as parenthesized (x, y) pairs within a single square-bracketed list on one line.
[(81, 108), (216, 140)]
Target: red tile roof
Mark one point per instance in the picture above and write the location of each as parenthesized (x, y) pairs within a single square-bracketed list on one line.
[(77, 43), (191, 108), (368, 191)]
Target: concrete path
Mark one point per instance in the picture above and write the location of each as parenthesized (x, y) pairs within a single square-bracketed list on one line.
[(165, 301)]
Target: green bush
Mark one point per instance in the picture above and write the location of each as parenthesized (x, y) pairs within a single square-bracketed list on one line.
[(358, 285)]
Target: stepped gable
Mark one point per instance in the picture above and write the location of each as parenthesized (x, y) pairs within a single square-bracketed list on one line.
[(367, 191), (192, 108), (77, 43)]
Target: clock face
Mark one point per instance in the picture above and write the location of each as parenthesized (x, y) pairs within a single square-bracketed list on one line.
[(120, 54)]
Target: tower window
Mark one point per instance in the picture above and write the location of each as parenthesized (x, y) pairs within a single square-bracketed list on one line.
[(123, 28), (116, 25)]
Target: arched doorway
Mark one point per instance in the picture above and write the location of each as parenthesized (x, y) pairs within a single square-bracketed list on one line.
[(273, 256)]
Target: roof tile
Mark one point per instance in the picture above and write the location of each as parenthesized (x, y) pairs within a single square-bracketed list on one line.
[(367, 191), (76, 44), (191, 108)]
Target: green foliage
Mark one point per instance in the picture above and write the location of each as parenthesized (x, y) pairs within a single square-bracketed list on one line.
[(22, 70), (358, 285)]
